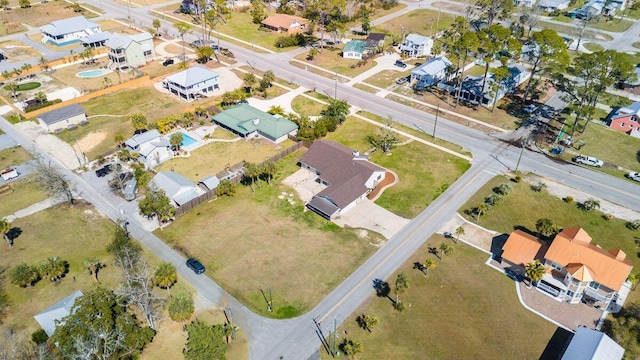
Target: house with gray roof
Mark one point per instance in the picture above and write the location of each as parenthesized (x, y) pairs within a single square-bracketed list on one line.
[(248, 122), (151, 147), (348, 176), (416, 45), (62, 118), (553, 5), (193, 83), (95, 40), (56, 312), (430, 73), (125, 51), (354, 49), (68, 31), (588, 344), (210, 183), (177, 187)]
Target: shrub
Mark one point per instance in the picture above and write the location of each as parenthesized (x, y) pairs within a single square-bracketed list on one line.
[(538, 188), (42, 105), (503, 189), (633, 225), (608, 216), (39, 336), (518, 179), (399, 305), (568, 199), (226, 187)]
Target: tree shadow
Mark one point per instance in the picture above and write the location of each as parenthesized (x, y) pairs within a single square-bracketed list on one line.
[(434, 251), (382, 289), (418, 266), (13, 234)]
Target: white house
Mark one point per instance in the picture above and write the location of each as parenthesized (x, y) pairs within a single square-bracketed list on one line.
[(524, 3), (553, 5), (68, 31), (416, 45), (354, 49), (62, 118), (430, 73), (56, 312), (588, 344), (151, 147), (193, 83), (126, 51), (348, 177), (177, 187)]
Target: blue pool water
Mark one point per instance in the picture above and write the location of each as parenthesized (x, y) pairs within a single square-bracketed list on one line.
[(187, 140), (92, 73)]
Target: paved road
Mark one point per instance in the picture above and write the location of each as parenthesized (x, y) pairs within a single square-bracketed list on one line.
[(298, 338)]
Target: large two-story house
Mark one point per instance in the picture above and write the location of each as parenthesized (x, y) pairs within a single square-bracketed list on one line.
[(68, 31), (626, 119), (416, 45), (577, 270), (126, 51)]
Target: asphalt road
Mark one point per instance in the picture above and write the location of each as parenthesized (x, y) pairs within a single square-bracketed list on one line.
[(300, 338)]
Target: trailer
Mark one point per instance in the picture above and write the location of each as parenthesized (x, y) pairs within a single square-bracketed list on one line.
[(10, 173)]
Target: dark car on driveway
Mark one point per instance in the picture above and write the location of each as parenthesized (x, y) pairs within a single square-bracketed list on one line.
[(168, 62), (401, 64), (196, 266)]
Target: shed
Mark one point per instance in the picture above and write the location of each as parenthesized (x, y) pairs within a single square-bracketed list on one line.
[(210, 182), (47, 319), (130, 189), (62, 118), (588, 344)]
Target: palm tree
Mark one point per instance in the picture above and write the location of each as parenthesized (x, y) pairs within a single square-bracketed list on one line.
[(44, 63), (181, 308), (93, 265), (119, 139), (24, 275), (503, 189), (165, 276), (350, 348), (5, 227), (249, 80), (251, 172), (481, 210), (535, 271), (428, 264), (53, 268), (402, 284), (367, 322), (545, 227), (445, 249), (156, 25), (590, 204), (269, 169), (459, 231), (182, 28)]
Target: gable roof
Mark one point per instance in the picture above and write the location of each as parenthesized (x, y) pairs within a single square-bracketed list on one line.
[(345, 171), (358, 46), (68, 26), (283, 21), (633, 109), (192, 76), (245, 119), (177, 187), (118, 41), (573, 247), (521, 248), (431, 67), (210, 182), (588, 344), (140, 139), (553, 3), (417, 39), (376, 36), (96, 37), (47, 318), (61, 114)]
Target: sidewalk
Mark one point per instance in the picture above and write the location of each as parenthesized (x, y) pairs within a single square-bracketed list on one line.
[(32, 209)]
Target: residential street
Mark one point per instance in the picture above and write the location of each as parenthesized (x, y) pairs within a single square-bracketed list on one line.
[(298, 338)]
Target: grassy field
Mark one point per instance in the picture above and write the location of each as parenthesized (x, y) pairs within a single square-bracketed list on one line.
[(67, 76), (463, 309), (305, 106), (523, 207), (25, 192), (17, 50), (13, 156), (331, 60), (569, 29), (423, 172), (386, 78), (613, 26), (255, 241), (214, 157), (593, 47), (420, 21)]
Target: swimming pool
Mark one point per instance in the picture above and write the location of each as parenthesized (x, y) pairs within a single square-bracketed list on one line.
[(187, 140), (93, 73)]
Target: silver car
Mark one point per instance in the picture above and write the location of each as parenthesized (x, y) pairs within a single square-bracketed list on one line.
[(588, 160), (635, 176)]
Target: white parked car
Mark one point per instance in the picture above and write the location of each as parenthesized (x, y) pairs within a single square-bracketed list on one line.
[(635, 176), (588, 160)]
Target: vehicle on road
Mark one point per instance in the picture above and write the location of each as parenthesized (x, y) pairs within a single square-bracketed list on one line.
[(168, 62), (588, 160), (196, 266), (635, 176), (401, 80), (401, 64), (10, 173)]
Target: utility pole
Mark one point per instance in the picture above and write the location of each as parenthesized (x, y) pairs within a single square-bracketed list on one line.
[(436, 123), (524, 142), (335, 89), (335, 336)]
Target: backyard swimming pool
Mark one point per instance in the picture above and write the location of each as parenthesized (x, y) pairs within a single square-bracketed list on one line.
[(93, 73), (187, 140)]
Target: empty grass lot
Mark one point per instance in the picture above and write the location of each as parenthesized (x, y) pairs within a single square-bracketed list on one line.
[(418, 21), (13, 156), (463, 309), (523, 207), (26, 192), (305, 106), (423, 172), (331, 60), (214, 157), (256, 241)]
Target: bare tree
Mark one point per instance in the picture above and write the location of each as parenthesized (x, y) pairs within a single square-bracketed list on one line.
[(137, 288), (53, 182)]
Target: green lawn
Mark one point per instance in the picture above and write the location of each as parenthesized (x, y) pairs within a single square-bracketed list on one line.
[(463, 309), (386, 78), (613, 26), (420, 21), (255, 241), (568, 29), (305, 106), (523, 207), (242, 27), (13, 156), (423, 172), (26, 191), (593, 47), (331, 60)]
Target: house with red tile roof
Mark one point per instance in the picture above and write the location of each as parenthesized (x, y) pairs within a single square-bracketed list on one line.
[(347, 175), (284, 23), (577, 270)]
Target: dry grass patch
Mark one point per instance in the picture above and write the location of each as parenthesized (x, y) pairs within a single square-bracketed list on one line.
[(462, 306), (331, 60), (214, 157), (26, 192), (17, 50), (13, 156), (386, 78), (41, 14), (420, 21), (257, 241), (112, 25), (305, 106)]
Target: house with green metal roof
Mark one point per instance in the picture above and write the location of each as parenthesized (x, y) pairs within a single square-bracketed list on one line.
[(248, 122), (354, 49)]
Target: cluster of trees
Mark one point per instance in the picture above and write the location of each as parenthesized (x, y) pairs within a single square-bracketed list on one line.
[(624, 328), (156, 203), (332, 115), (253, 172), (206, 341), (264, 83), (490, 201), (24, 275)]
